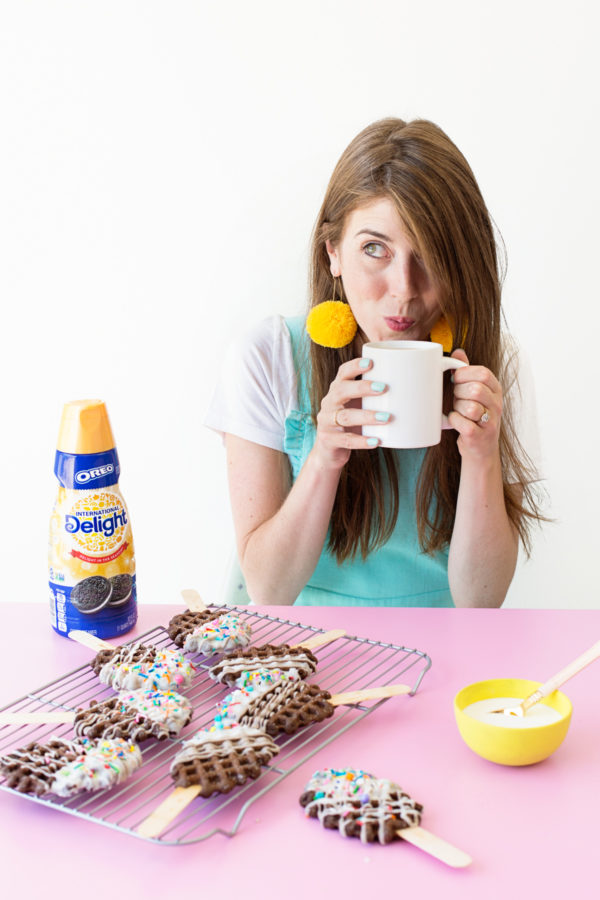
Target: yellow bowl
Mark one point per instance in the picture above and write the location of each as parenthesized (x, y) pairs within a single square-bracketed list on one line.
[(506, 745)]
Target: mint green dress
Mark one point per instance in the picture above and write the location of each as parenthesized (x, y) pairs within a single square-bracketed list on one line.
[(399, 573)]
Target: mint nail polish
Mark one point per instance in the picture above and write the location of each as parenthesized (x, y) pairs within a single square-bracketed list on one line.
[(382, 416), (377, 386)]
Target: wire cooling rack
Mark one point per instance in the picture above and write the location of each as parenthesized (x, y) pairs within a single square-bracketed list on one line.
[(348, 663)]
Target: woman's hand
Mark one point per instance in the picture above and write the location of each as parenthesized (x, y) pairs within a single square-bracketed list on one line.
[(341, 417), (477, 409)]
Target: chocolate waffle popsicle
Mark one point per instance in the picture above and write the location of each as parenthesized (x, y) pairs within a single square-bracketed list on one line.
[(193, 627), (195, 616), (130, 715), (372, 809), (66, 768), (284, 706), (137, 666), (220, 759), (197, 630), (221, 635), (183, 624), (276, 707), (298, 658), (31, 769), (281, 657), (212, 761), (135, 716)]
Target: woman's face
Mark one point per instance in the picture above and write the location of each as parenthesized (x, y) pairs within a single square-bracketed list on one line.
[(389, 290)]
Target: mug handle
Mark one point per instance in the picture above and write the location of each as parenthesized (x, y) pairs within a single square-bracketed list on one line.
[(449, 362)]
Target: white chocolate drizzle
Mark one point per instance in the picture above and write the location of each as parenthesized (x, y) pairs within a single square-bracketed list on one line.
[(99, 765), (233, 667), (227, 632), (157, 670), (221, 742), (357, 797)]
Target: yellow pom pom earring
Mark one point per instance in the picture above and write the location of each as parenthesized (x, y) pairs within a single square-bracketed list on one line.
[(441, 333), (331, 323)]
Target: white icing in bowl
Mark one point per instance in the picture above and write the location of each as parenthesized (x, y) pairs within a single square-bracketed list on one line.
[(538, 715)]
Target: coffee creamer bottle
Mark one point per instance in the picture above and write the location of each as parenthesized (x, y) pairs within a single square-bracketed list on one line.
[(91, 557)]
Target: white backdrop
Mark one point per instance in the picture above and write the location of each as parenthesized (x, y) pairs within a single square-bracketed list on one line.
[(161, 166)]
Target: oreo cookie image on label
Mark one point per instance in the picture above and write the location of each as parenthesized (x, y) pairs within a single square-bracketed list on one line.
[(122, 586), (92, 594)]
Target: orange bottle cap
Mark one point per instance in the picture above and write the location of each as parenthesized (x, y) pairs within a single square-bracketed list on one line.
[(85, 428)]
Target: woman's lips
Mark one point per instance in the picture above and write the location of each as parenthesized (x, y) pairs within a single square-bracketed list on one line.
[(398, 323)]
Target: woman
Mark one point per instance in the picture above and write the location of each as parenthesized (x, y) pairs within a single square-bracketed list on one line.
[(322, 516)]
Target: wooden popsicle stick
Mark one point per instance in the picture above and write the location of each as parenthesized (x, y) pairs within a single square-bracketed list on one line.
[(435, 846), (57, 716), (583, 660), (319, 639), (556, 681), (193, 600), (375, 693), (168, 810), (90, 640)]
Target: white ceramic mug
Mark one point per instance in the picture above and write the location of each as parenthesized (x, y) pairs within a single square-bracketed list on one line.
[(413, 372)]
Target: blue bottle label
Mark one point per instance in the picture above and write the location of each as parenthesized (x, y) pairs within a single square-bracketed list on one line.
[(87, 471), (105, 607)]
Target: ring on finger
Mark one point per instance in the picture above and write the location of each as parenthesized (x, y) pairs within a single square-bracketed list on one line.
[(335, 417), (485, 418)]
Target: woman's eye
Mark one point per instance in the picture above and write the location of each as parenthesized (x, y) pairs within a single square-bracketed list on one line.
[(374, 249)]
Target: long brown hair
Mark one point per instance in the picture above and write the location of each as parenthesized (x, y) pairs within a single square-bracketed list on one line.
[(423, 173)]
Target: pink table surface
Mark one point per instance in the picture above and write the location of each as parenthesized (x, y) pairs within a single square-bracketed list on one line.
[(530, 831)]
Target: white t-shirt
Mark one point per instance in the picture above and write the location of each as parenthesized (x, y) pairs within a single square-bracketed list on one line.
[(257, 390)]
